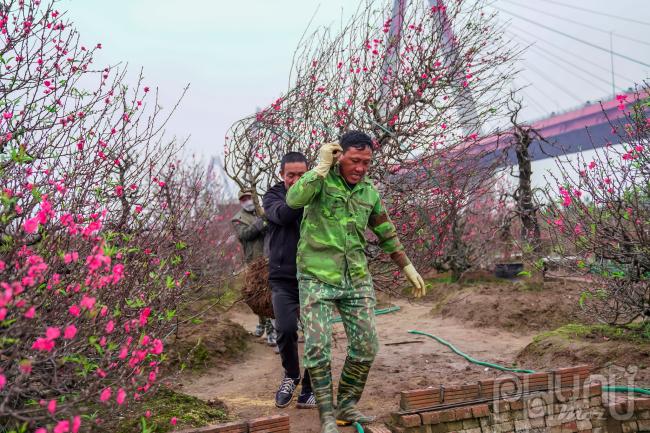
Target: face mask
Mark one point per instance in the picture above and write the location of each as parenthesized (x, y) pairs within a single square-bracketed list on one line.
[(248, 205)]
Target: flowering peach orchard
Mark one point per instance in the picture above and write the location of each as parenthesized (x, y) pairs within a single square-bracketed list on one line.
[(100, 225), (105, 230)]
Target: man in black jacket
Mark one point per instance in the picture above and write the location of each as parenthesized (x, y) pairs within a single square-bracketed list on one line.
[(282, 238)]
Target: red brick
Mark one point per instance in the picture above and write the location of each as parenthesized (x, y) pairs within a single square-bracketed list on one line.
[(231, 427), (448, 415), (569, 427), (268, 420), (462, 413), (618, 407), (516, 405), (566, 394), (430, 418), (410, 420), (641, 403), (480, 410), (595, 389)]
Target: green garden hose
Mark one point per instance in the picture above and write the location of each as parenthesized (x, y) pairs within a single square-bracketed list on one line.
[(469, 358), (378, 312), (516, 370), (358, 427), (626, 389)]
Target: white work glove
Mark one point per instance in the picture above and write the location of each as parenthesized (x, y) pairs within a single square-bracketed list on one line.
[(419, 288), (327, 155)]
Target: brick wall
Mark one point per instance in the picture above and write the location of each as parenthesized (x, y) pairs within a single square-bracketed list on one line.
[(559, 401), (268, 424)]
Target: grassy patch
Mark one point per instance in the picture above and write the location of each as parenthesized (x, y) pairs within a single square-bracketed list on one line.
[(165, 404), (442, 279), (634, 333)]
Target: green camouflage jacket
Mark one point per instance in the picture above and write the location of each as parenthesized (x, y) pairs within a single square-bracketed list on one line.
[(332, 233)]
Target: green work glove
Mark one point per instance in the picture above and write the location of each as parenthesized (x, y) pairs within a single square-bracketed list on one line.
[(327, 156), (419, 288)]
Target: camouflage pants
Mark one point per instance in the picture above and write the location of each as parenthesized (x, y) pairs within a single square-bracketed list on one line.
[(356, 305)]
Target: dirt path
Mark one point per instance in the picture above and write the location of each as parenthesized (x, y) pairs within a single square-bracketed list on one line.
[(248, 387)]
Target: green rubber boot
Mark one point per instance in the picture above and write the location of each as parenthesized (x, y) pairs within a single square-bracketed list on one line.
[(353, 380), (321, 382)]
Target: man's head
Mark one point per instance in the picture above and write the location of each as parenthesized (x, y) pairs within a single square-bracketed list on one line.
[(292, 167), (246, 200), (357, 156)]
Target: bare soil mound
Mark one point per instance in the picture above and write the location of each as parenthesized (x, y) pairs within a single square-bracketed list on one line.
[(622, 356), (206, 343), (511, 305)]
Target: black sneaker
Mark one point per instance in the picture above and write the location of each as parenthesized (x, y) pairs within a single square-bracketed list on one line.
[(285, 392), (306, 400)]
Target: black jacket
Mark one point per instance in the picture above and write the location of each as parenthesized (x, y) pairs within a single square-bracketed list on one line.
[(283, 235)]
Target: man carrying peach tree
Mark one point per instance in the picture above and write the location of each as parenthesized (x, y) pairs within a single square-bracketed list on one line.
[(340, 203)]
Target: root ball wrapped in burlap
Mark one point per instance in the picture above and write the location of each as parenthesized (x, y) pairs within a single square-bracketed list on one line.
[(256, 291)]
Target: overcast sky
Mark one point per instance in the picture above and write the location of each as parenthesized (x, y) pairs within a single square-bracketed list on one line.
[(236, 55)]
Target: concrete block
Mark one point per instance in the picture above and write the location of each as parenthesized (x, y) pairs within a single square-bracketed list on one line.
[(582, 403), (469, 424), (599, 422), (629, 427), (595, 401), (454, 426), (644, 425), (553, 421), (436, 428), (500, 406), (598, 413), (523, 425), (644, 414), (377, 429), (538, 423), (536, 412), (582, 414), (569, 416), (536, 401), (517, 415), (500, 417), (504, 427), (584, 425)]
